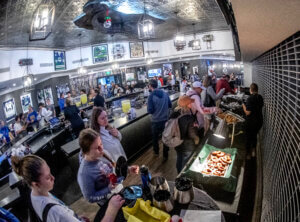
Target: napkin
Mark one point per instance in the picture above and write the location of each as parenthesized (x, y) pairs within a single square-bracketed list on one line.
[(201, 215)]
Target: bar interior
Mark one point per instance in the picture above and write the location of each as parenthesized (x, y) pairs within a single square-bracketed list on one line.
[(149, 110)]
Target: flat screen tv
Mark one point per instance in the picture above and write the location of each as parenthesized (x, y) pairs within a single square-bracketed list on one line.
[(154, 72)]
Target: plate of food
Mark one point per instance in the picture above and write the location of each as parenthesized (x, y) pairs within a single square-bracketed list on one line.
[(216, 164)]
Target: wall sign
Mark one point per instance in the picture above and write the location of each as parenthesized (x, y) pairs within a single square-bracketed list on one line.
[(9, 108), (26, 102), (136, 49), (48, 95), (26, 62), (100, 53), (59, 60)]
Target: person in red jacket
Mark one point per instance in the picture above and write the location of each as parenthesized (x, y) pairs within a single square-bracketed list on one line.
[(161, 80), (223, 83)]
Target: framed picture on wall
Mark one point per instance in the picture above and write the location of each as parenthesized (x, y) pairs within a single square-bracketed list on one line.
[(9, 108), (62, 89), (136, 49), (48, 95), (60, 60), (100, 53), (26, 101), (118, 51), (195, 69), (40, 96)]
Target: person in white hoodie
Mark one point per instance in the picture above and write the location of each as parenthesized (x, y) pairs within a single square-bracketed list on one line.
[(197, 107), (43, 112)]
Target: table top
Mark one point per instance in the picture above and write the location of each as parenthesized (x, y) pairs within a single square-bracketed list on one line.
[(201, 201)]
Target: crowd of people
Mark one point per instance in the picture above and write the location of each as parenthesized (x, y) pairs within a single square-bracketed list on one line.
[(100, 145)]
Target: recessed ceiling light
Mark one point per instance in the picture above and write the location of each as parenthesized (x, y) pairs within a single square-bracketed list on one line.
[(35, 79), (14, 84)]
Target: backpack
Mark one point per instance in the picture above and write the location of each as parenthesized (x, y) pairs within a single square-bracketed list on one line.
[(208, 102), (171, 134)]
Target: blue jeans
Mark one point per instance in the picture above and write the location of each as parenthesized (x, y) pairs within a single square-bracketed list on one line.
[(157, 129), (182, 159)]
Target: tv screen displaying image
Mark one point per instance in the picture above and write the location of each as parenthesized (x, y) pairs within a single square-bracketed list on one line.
[(154, 72)]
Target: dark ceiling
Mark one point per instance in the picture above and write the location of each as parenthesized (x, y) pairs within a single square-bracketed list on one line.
[(16, 17)]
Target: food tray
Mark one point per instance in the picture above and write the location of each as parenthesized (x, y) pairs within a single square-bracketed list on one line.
[(239, 118), (214, 167)]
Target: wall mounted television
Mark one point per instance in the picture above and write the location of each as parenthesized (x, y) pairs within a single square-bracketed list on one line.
[(154, 72)]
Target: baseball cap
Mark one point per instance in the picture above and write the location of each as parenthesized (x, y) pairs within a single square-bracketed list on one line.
[(198, 84)]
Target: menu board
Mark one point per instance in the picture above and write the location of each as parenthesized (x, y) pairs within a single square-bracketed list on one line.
[(9, 108), (100, 53)]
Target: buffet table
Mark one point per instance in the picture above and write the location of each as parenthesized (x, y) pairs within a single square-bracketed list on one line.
[(201, 201)]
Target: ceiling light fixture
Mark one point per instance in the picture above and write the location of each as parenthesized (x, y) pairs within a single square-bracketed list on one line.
[(146, 28), (195, 44), (81, 70), (179, 41), (28, 77), (115, 66), (43, 17)]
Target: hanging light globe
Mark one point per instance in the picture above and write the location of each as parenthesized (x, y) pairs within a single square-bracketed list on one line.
[(146, 29)]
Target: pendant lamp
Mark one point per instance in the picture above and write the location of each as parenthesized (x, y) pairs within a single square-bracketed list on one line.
[(179, 41), (42, 22), (81, 70), (146, 28)]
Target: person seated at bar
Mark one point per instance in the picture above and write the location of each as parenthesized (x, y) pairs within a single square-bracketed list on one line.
[(61, 102), (50, 107), (197, 106), (19, 128), (224, 83), (6, 135), (188, 131), (72, 114), (92, 95), (99, 101), (83, 97), (44, 113), (118, 90), (36, 173), (110, 137), (96, 168), (32, 119)]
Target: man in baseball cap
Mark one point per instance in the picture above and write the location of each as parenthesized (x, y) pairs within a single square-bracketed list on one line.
[(198, 85)]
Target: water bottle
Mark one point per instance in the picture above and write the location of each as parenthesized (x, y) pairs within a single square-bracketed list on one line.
[(145, 175)]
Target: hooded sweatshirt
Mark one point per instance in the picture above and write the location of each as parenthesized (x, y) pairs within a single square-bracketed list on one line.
[(158, 105)]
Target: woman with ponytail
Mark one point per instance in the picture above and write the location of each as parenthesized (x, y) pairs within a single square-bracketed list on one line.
[(36, 173)]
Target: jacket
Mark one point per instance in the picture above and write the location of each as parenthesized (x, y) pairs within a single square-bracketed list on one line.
[(72, 114), (222, 83), (99, 101), (158, 105)]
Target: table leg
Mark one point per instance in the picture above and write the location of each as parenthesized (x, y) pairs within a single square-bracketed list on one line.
[(232, 135)]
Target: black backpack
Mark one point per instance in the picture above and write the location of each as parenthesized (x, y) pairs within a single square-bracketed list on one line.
[(208, 102)]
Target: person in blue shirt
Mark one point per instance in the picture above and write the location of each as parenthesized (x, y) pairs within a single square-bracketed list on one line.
[(61, 102), (4, 130), (159, 104), (32, 115)]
